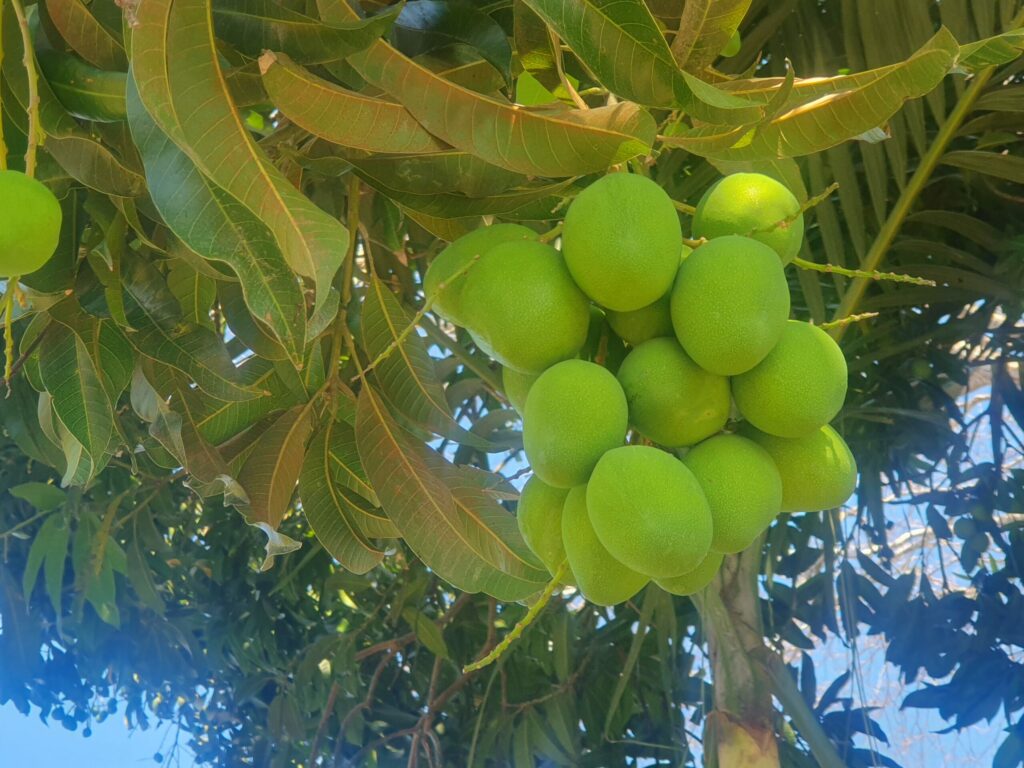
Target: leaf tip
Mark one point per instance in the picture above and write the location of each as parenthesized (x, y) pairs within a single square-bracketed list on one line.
[(266, 61)]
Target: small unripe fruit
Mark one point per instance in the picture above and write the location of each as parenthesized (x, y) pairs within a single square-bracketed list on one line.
[(798, 388), (523, 308), (646, 323), (672, 400), (600, 577), (539, 515), (742, 486), (30, 218), (622, 241), (443, 285), (517, 387), (753, 205), (649, 511), (694, 581), (575, 412), (818, 471), (730, 304)]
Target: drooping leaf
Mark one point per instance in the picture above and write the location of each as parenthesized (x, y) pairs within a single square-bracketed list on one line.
[(542, 142), (407, 375), (332, 510), (43, 496), (992, 51), (182, 86), (704, 29), (339, 115), (611, 36), (83, 90), (1001, 166), (49, 552), (473, 548), (255, 26), (79, 399), (91, 40), (834, 116)]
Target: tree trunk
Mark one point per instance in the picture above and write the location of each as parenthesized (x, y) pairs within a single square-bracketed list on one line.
[(740, 732)]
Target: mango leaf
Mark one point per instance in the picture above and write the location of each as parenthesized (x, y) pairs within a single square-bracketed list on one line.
[(43, 496), (91, 40), (271, 470), (539, 142), (79, 400), (426, 25), (473, 548), (162, 336), (610, 36), (214, 224), (182, 86), (339, 115), (533, 46), (194, 291), (836, 116), (83, 90), (331, 509), (407, 375), (704, 29), (992, 51), (49, 552), (427, 632), (254, 26), (109, 348)]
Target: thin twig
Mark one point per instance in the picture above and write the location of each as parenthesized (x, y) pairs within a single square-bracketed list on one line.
[(689, 210), (895, 277), (848, 320), (518, 629)]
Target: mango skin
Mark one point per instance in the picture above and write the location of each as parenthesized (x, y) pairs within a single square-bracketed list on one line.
[(672, 400), (447, 300), (622, 241), (575, 412), (742, 486), (694, 581), (730, 304), (818, 471), (30, 219), (601, 578), (649, 511), (798, 388), (517, 386), (522, 307), (753, 205), (539, 516)]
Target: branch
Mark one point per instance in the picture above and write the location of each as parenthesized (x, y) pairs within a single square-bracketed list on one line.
[(794, 705), (880, 247), (896, 277), (29, 59)]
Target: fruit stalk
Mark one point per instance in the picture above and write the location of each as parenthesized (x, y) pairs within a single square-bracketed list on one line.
[(740, 730)]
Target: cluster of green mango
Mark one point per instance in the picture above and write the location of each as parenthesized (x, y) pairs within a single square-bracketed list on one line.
[(715, 421)]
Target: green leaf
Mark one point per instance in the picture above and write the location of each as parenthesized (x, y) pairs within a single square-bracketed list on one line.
[(541, 142), (611, 36), (255, 26), (160, 335), (109, 348), (704, 29), (1009, 167), (426, 25), (79, 399), (271, 470), (83, 90), (91, 40), (332, 510), (992, 51), (49, 551), (427, 632), (339, 115), (406, 374), (182, 86), (194, 291), (845, 109), (42, 496), (449, 171), (466, 537)]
